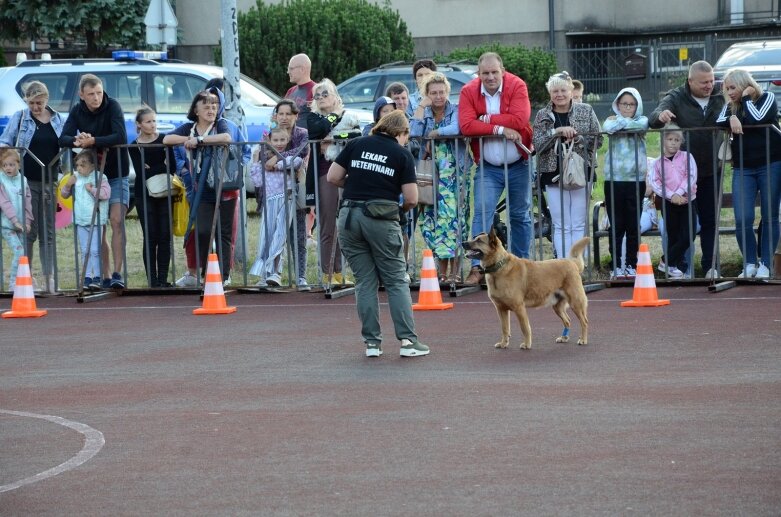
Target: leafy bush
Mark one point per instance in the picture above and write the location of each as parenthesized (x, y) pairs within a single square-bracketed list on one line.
[(533, 65), (341, 37)]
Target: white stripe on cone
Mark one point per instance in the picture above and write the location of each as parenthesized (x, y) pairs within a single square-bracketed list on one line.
[(428, 263), (213, 267), (645, 281), (23, 291), (23, 271), (644, 258), (213, 288), (429, 284)]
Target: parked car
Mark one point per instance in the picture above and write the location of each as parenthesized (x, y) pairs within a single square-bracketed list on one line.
[(134, 79), (360, 91), (762, 59)]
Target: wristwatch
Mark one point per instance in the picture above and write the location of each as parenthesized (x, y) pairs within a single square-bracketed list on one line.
[(200, 139)]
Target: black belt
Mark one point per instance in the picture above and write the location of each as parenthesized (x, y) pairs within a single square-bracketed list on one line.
[(351, 203)]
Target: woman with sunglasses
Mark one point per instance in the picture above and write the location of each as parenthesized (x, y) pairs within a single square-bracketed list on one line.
[(329, 123)]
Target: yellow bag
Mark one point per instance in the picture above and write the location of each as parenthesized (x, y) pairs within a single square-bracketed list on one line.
[(181, 209)]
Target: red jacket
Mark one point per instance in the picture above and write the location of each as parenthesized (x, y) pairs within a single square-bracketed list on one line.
[(515, 111)]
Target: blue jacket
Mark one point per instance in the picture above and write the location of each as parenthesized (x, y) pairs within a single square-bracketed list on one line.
[(8, 138)]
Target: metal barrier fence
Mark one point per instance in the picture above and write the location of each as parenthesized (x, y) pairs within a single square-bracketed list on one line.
[(67, 266)]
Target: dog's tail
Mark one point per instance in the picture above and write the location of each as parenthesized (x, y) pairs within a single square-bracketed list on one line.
[(576, 252)]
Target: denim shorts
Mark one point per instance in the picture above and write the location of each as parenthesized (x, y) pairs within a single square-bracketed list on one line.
[(120, 191)]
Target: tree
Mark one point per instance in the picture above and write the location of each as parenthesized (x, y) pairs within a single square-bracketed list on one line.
[(98, 23), (342, 37), (534, 65)]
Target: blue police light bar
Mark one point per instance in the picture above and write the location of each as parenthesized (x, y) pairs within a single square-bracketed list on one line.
[(133, 55)]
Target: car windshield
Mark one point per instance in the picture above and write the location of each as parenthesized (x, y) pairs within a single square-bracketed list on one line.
[(742, 56)]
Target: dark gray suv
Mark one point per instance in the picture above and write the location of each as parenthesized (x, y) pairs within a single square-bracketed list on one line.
[(360, 91)]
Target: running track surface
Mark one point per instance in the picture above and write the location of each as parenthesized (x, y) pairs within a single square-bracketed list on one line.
[(274, 410)]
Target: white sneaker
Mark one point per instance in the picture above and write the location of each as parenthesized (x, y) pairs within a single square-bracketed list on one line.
[(618, 273), (712, 274), (749, 272), (673, 272), (303, 285), (274, 280), (227, 282), (762, 271), (261, 283), (630, 272), (187, 280), (662, 267)]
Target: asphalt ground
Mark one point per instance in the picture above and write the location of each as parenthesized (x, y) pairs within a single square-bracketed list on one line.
[(133, 406)]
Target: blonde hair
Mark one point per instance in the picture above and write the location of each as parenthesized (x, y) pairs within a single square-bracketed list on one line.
[(13, 153), (35, 89), (329, 86), (672, 127), (393, 124), (742, 79), (436, 78), (560, 79)]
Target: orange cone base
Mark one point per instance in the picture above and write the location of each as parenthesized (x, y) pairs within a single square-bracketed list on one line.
[(432, 307), (36, 313), (216, 310), (650, 303)]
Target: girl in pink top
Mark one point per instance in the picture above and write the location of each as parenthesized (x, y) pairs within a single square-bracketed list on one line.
[(674, 178)]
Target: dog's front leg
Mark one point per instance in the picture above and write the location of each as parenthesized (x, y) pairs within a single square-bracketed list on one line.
[(504, 320), (523, 320)]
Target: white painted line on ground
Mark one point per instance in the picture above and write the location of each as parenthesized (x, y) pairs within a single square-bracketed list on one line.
[(93, 442)]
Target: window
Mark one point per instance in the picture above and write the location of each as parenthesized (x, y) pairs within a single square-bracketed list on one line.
[(59, 90), (361, 89), (173, 93), (125, 89)]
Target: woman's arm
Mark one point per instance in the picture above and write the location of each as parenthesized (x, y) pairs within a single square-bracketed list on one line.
[(452, 128), (8, 138)]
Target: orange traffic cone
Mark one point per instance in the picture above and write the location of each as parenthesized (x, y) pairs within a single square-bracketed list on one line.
[(213, 294), (645, 285), (23, 304), (430, 298)]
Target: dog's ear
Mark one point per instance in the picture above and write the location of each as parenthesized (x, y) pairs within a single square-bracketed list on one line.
[(492, 235)]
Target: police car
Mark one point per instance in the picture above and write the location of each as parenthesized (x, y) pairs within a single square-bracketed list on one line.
[(133, 78)]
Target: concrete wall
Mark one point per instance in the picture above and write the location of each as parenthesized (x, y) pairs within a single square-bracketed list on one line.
[(438, 26)]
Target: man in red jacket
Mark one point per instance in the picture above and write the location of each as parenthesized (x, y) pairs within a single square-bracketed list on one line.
[(497, 103)]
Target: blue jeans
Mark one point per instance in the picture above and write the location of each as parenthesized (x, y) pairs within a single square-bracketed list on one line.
[(745, 185), (489, 184)]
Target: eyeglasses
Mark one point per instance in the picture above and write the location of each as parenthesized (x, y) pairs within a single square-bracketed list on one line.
[(319, 96), (627, 104)]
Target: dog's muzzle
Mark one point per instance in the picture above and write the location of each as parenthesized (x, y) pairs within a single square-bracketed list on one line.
[(471, 253)]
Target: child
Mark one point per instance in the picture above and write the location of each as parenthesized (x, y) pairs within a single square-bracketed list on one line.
[(14, 194), (625, 172), (153, 215), (674, 178), (279, 183), (382, 107), (87, 186)]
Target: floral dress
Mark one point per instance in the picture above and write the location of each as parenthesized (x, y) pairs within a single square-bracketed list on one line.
[(446, 227)]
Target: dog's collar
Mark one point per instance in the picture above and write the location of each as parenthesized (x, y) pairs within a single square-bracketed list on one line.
[(496, 266)]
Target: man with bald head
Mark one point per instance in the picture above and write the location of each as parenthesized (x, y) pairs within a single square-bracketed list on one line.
[(497, 103), (299, 70)]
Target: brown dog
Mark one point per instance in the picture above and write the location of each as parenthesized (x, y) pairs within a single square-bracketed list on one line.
[(515, 283)]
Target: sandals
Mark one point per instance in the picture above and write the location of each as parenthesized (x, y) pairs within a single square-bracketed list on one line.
[(443, 279)]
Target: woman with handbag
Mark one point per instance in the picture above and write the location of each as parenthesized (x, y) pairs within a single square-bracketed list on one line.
[(153, 189), (38, 129), (206, 128), (444, 222), (563, 122)]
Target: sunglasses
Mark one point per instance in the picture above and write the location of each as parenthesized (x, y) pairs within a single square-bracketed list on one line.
[(319, 96)]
